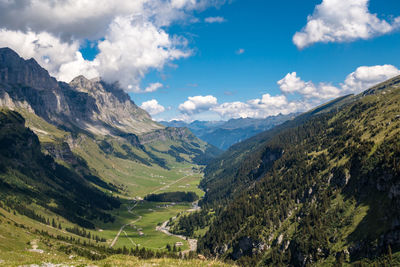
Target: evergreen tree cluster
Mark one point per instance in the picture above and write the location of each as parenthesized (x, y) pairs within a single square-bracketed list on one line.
[(172, 197), (29, 176), (287, 196)]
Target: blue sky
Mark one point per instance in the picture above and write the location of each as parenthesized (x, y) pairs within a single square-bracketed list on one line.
[(213, 59), (264, 29)]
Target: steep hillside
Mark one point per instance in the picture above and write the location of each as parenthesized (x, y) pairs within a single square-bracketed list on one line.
[(180, 144), (323, 188), (95, 111), (229, 173), (224, 134), (28, 177)]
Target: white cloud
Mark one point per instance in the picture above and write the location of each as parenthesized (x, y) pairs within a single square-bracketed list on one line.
[(61, 59), (342, 21), (366, 77), (259, 108), (214, 19), (152, 107), (266, 106), (292, 84), (131, 48), (197, 104), (131, 35), (308, 95), (153, 87), (361, 79), (66, 18)]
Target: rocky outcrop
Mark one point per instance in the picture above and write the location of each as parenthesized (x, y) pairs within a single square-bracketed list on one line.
[(247, 246), (16, 70), (88, 108), (339, 177), (89, 105), (114, 107), (60, 152)]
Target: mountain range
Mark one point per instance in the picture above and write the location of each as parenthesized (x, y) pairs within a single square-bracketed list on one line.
[(320, 188), (224, 134), (90, 107)]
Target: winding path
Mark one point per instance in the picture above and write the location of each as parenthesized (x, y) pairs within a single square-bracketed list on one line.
[(125, 225), (163, 228)]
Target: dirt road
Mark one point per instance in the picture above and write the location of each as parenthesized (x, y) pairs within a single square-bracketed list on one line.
[(125, 225)]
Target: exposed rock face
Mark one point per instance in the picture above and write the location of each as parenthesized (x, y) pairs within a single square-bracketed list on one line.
[(247, 246), (114, 106), (16, 70), (93, 106), (340, 177), (89, 107), (61, 152)]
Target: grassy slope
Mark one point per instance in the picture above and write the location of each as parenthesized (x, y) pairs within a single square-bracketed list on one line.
[(137, 178), (15, 243), (132, 178), (359, 219)]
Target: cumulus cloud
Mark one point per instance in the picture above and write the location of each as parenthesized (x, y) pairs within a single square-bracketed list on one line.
[(61, 59), (361, 79), (263, 107), (266, 106), (197, 104), (152, 107), (131, 36), (153, 87), (214, 19), (132, 47), (342, 21), (292, 84), (65, 18), (365, 77), (307, 95)]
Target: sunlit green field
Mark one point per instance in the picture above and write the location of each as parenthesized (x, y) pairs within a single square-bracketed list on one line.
[(133, 179), (143, 218)]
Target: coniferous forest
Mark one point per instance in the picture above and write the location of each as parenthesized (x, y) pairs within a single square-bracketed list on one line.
[(320, 188)]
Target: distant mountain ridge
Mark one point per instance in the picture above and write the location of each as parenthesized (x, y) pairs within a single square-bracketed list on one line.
[(224, 134)]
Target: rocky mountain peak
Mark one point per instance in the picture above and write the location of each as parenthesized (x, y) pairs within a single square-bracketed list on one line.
[(92, 105), (82, 84), (16, 70), (96, 85), (114, 106)]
